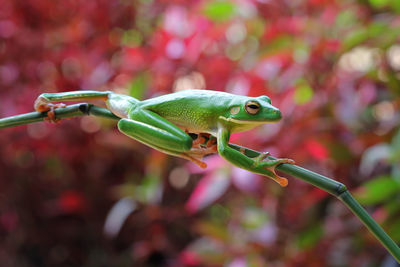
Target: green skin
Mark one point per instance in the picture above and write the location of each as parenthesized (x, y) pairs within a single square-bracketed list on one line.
[(164, 122)]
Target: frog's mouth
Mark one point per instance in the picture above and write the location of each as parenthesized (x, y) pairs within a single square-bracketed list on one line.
[(247, 122)]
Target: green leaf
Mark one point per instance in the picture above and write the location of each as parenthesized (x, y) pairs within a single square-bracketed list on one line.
[(380, 32), (340, 152), (132, 38), (395, 148), (209, 229), (354, 38), (394, 231), (310, 237), (219, 10), (395, 6), (279, 43), (392, 207), (303, 94), (138, 86), (377, 190), (376, 29), (219, 214), (346, 17), (253, 218), (150, 190), (379, 3)]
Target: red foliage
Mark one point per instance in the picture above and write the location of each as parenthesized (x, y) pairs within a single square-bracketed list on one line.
[(330, 66)]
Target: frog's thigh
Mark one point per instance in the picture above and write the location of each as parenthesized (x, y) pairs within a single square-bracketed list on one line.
[(157, 132)]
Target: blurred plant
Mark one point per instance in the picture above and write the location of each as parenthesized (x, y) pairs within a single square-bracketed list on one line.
[(332, 67)]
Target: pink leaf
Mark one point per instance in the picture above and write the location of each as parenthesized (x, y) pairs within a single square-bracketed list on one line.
[(246, 181), (209, 189)]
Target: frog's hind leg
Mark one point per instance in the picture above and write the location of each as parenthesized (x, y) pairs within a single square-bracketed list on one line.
[(197, 161), (193, 157), (204, 144), (199, 140), (153, 130), (43, 102)]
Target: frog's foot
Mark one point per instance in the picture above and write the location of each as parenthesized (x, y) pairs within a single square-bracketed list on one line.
[(200, 163), (212, 142), (196, 155), (202, 150), (203, 145), (202, 140), (260, 158), (51, 116), (42, 104), (196, 160), (198, 141), (270, 165), (209, 150)]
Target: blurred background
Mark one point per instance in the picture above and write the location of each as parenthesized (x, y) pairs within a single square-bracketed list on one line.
[(79, 193)]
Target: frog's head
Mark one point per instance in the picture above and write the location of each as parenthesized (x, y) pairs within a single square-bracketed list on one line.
[(248, 112)]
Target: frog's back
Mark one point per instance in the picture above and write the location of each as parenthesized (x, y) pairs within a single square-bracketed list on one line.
[(192, 110)]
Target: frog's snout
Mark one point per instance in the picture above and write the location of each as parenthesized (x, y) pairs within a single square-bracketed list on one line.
[(276, 114)]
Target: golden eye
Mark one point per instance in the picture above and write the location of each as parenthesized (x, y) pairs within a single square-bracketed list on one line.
[(252, 107)]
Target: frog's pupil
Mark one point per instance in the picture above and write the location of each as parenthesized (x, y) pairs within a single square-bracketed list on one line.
[(253, 106)]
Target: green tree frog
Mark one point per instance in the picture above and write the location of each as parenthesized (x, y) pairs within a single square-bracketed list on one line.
[(167, 122)]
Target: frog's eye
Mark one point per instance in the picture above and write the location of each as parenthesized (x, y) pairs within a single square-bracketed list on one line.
[(252, 107)]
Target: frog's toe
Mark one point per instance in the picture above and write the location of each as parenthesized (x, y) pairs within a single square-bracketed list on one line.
[(289, 161), (41, 104), (260, 158), (195, 159), (282, 181), (199, 163), (271, 165), (51, 116)]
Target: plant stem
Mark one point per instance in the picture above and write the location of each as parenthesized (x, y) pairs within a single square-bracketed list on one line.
[(340, 191), (60, 113), (331, 186), (371, 224)]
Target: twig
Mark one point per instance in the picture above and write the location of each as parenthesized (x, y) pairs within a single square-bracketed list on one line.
[(60, 113)]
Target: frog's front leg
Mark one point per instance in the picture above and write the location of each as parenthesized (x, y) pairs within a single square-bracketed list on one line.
[(269, 165), (261, 164), (153, 130)]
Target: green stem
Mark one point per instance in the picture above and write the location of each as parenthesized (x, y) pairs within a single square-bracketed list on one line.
[(333, 187), (60, 113), (340, 191), (371, 224)]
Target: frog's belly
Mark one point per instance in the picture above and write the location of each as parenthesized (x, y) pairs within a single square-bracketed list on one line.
[(191, 121)]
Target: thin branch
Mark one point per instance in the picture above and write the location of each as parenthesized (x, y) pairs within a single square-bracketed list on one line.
[(331, 186), (340, 191), (60, 113)]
